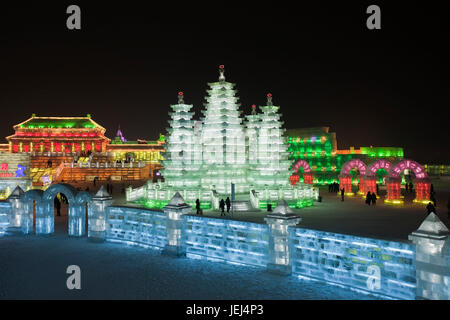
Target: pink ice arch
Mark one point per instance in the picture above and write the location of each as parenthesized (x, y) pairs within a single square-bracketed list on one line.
[(379, 164), (418, 170), (302, 164), (354, 163)]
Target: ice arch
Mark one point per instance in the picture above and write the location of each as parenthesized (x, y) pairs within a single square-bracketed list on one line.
[(419, 170), (378, 164), (345, 179), (45, 220), (307, 174), (354, 163), (370, 180), (422, 187)]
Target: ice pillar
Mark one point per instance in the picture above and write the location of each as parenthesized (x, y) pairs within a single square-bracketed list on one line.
[(432, 259), (394, 191), (279, 252), (175, 210), (97, 215), (345, 182), (15, 218), (5, 212)]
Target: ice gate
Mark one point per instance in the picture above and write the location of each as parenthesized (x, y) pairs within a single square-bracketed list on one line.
[(419, 269)]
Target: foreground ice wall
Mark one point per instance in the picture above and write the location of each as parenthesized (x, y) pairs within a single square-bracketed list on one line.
[(136, 226), (378, 266), (227, 240)]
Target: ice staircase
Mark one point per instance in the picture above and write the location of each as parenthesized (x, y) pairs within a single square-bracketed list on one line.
[(241, 205)]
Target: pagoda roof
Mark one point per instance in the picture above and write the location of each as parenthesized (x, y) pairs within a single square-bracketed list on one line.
[(59, 122)]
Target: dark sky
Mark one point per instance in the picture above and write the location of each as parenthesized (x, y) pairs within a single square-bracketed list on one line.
[(386, 87)]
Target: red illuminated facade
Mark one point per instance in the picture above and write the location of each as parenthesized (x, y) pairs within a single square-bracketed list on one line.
[(58, 134)]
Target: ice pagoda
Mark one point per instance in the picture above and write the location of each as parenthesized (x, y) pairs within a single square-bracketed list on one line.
[(205, 157)]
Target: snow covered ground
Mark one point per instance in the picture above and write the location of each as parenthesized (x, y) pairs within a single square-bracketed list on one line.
[(34, 267)]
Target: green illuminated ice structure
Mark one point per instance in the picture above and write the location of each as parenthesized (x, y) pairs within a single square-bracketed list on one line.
[(204, 158)]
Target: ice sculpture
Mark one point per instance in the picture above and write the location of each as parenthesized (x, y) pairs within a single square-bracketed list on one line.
[(203, 158), (279, 221), (16, 207), (432, 258), (97, 215)]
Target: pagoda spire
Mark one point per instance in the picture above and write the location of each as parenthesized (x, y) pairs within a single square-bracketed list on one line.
[(269, 99), (222, 73), (253, 109), (180, 97)]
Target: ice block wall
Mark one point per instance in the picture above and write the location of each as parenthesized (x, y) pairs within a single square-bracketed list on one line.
[(5, 211), (378, 266), (136, 226), (227, 240)]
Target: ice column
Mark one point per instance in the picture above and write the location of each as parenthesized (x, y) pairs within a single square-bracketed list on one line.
[(175, 210), (16, 207), (432, 259), (5, 212), (97, 215), (279, 253)]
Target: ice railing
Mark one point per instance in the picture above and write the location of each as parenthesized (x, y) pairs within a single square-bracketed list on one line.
[(136, 226), (379, 266), (230, 241)]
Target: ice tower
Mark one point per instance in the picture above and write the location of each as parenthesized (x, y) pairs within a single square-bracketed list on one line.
[(203, 158), (223, 139), (179, 167), (272, 169)]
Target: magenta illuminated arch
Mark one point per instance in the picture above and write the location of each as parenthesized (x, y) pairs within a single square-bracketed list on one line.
[(418, 170), (354, 163), (379, 164), (302, 164)]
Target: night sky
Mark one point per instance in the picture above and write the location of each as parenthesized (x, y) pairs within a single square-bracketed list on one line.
[(387, 87)]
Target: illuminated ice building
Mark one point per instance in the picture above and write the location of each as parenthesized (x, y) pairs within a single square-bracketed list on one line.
[(204, 158)]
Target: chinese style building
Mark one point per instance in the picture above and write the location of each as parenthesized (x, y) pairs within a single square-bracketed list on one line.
[(58, 134), (75, 149)]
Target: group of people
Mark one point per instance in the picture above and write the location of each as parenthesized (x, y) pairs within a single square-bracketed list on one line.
[(333, 187), (222, 204), (371, 198)]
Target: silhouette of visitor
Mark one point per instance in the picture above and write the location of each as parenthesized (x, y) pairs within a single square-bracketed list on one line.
[(342, 194), (368, 198), (57, 204), (433, 199), (222, 207), (373, 198), (197, 206), (430, 208), (228, 203)]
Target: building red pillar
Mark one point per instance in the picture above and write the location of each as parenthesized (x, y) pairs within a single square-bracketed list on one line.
[(345, 182), (423, 187), (370, 184), (362, 186), (308, 178), (393, 186)]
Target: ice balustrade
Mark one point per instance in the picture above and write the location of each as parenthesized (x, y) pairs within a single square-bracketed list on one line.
[(136, 226), (378, 266), (226, 240)]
